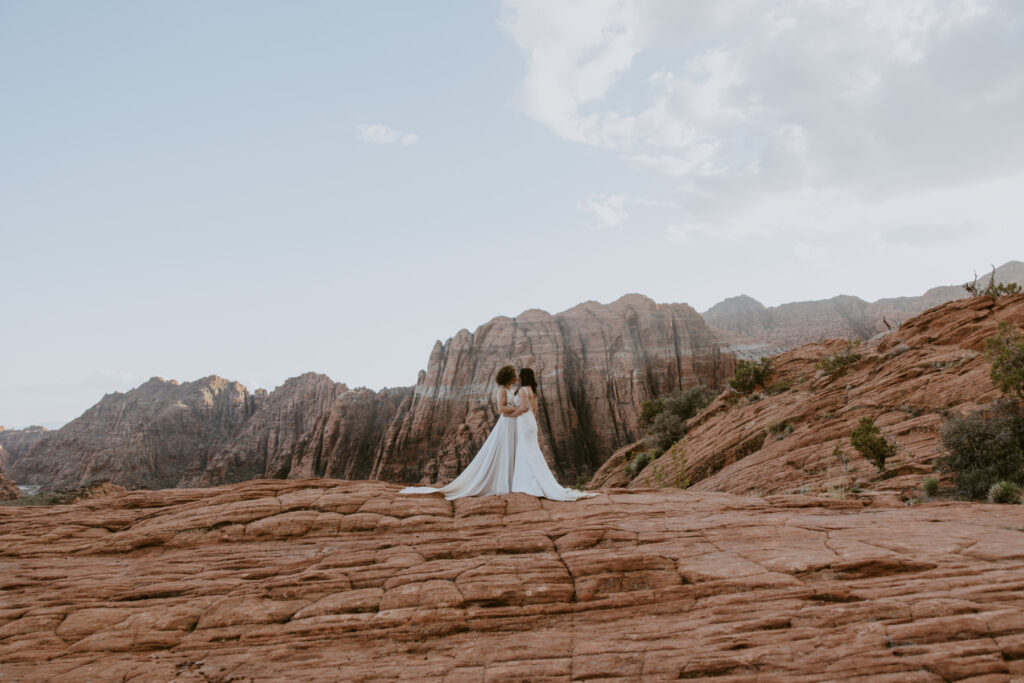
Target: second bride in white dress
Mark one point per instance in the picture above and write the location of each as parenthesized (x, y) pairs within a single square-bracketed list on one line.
[(531, 473)]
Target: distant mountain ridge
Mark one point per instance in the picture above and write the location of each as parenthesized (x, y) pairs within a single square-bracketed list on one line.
[(596, 364), (842, 317)]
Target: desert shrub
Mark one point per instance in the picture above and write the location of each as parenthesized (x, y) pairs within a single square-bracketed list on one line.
[(1005, 352), (650, 410), (868, 440), (640, 461), (985, 447), (840, 455), (780, 429), (679, 456), (931, 487), (778, 387), (1005, 492), (991, 289), (687, 403), (837, 364), (666, 429), (751, 374), (664, 419)]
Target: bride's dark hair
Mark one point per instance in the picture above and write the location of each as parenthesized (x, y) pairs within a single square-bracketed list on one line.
[(506, 374), (527, 379)]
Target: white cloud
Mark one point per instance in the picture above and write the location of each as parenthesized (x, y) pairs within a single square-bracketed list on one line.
[(607, 210), (815, 255), (379, 134), (790, 118)]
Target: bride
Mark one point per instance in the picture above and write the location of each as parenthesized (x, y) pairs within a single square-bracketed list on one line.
[(530, 473), (510, 459)]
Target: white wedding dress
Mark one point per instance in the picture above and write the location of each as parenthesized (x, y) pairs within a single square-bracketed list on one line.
[(531, 473), (509, 461), (490, 471)]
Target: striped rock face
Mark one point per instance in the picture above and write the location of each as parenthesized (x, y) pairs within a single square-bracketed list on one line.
[(595, 365), (334, 580)]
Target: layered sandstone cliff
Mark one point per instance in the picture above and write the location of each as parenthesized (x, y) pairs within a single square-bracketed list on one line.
[(15, 443), (595, 365), (266, 444), (909, 381), (842, 317), (8, 490), (153, 436)]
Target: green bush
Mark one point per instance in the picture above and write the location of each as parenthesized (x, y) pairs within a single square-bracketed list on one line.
[(650, 410), (666, 429), (985, 447), (640, 461), (868, 440), (751, 374), (687, 403), (931, 487), (837, 364), (1005, 492), (664, 419), (1005, 352)]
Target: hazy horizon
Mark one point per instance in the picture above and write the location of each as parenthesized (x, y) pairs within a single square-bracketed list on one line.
[(258, 189)]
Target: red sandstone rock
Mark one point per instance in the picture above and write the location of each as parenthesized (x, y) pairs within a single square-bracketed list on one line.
[(907, 381), (8, 490), (595, 364), (331, 580), (152, 436), (14, 443)]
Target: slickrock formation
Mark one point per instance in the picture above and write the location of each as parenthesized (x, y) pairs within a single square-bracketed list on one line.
[(329, 580), (152, 436), (8, 490), (909, 382), (595, 364), (14, 443), (267, 444), (842, 317), (345, 442)]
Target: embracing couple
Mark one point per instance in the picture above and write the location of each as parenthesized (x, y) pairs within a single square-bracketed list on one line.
[(510, 459)]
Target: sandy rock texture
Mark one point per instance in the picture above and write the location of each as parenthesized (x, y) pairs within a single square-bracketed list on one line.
[(842, 317), (333, 580), (785, 440), (595, 364), (8, 489), (16, 442)]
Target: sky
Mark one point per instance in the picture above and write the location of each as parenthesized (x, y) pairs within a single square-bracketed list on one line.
[(259, 189)]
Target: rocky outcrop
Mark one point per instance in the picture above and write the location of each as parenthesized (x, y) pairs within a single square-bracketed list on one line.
[(266, 444), (329, 580), (595, 365), (842, 317), (153, 436), (909, 382), (8, 490), (14, 443)]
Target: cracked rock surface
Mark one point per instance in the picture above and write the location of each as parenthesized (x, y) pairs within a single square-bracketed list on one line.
[(338, 580)]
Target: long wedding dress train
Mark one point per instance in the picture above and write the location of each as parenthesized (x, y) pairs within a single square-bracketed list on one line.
[(490, 471)]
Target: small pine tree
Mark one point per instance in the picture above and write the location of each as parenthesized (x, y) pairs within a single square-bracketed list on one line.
[(868, 440), (1005, 352)]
